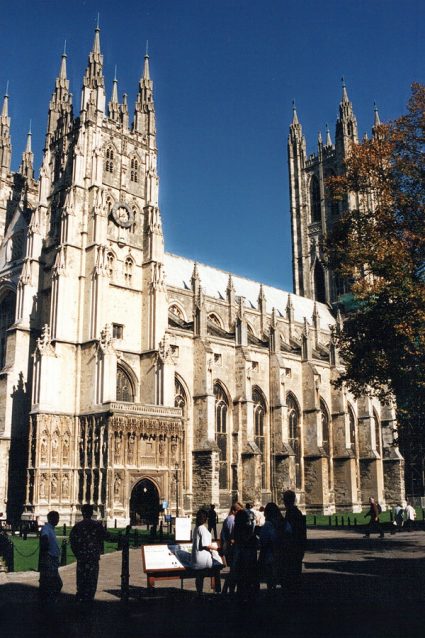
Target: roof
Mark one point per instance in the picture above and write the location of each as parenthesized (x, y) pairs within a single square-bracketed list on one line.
[(214, 283)]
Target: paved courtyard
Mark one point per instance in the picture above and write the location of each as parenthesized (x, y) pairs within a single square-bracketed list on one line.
[(352, 586)]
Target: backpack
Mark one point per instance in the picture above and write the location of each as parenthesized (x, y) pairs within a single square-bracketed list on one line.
[(379, 508)]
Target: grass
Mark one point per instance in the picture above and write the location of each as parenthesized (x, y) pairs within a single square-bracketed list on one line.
[(26, 551), (320, 520)]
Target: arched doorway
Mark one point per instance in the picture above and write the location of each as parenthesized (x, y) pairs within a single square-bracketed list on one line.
[(144, 503)]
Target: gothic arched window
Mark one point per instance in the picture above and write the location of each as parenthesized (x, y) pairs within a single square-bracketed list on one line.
[(319, 282), (377, 426), (125, 391), (294, 426), (180, 400), (215, 319), (134, 170), (110, 265), (221, 435), (128, 271), (109, 160), (324, 414), (352, 427), (7, 317), (315, 200), (259, 433)]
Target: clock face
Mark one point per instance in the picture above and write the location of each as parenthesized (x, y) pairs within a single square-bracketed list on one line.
[(123, 215)]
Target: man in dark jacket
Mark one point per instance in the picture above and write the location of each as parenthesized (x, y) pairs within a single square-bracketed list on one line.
[(374, 524), (294, 540), (86, 539), (212, 521)]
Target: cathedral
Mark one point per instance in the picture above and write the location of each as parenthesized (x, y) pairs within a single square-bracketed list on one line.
[(136, 379)]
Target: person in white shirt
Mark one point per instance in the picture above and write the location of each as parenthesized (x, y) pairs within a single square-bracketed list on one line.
[(201, 548), (50, 580), (409, 515)]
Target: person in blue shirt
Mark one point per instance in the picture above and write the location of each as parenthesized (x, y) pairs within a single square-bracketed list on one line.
[(50, 580)]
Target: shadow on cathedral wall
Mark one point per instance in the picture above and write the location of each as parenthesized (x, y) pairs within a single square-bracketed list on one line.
[(18, 457)]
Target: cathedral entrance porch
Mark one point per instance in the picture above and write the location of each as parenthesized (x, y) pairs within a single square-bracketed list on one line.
[(144, 503)]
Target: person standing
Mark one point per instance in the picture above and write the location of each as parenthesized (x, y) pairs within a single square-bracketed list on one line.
[(86, 540), (373, 514), (410, 516), (398, 517), (212, 521), (270, 562), (201, 550), (294, 540), (50, 580)]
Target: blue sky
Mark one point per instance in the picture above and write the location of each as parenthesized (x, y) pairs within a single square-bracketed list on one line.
[(225, 74)]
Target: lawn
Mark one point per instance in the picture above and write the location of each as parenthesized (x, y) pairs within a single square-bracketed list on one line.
[(26, 551)]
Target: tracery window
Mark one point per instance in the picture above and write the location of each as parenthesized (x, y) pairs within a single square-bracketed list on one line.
[(128, 271), (319, 282), (134, 170), (7, 317), (125, 391), (175, 310), (109, 160), (259, 433), (214, 318), (221, 435), (180, 400), (294, 423), (377, 426), (315, 200), (110, 265), (352, 427), (325, 427)]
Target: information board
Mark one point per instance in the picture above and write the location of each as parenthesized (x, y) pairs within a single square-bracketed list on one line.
[(178, 557), (183, 529), (160, 558)]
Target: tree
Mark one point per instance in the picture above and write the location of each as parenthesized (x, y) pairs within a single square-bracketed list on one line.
[(378, 245)]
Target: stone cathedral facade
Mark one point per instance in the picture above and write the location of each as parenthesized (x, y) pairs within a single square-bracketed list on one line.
[(130, 376)]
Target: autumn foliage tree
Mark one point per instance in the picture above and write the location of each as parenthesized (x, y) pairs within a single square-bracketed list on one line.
[(378, 246)]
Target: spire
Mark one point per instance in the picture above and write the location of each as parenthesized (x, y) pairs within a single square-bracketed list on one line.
[(294, 114), (26, 168), (60, 107), (114, 110), (295, 129), (328, 136), (144, 114), (93, 80), (62, 72), (346, 126), (96, 41), (5, 142), (29, 135), (124, 111), (5, 109), (319, 138), (344, 91), (376, 119)]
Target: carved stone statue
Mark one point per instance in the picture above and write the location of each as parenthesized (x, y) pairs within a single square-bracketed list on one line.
[(117, 450), (55, 448), (117, 488), (42, 486), (65, 486), (65, 449), (130, 451), (43, 450), (54, 487)]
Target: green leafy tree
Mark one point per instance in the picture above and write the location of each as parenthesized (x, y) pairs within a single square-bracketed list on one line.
[(379, 246)]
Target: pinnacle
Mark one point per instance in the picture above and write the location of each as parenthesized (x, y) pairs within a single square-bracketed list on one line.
[(62, 72), (29, 135), (344, 91), (5, 109), (96, 41), (376, 118), (146, 73), (328, 136), (294, 113)]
